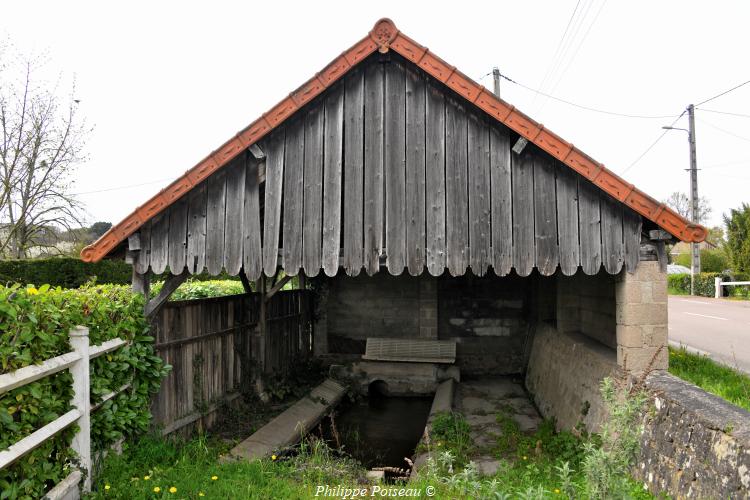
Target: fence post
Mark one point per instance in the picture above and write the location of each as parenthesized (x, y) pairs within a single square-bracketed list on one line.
[(79, 341), (717, 287)]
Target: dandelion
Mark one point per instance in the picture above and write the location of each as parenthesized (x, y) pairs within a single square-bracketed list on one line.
[(106, 486), (173, 490), (524, 457), (214, 478), (201, 494), (146, 478), (273, 457), (157, 489), (32, 291), (557, 491)]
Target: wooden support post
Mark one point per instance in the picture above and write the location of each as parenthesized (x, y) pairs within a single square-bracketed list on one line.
[(276, 287), (79, 341), (141, 283), (260, 287), (170, 285), (245, 281)]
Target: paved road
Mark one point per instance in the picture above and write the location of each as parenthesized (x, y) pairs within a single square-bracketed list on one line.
[(717, 326)]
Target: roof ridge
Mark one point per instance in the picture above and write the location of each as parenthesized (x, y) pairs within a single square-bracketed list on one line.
[(383, 37)]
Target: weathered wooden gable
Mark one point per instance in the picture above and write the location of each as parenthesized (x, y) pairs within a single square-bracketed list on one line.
[(391, 167)]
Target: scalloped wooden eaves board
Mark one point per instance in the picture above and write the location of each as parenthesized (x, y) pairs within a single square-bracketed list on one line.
[(384, 37)]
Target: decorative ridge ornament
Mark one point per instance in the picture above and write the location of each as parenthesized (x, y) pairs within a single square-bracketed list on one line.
[(384, 32)]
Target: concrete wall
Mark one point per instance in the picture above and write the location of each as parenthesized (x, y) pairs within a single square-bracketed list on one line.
[(586, 304), (564, 374), (694, 444)]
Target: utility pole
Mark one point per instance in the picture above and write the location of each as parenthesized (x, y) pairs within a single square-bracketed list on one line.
[(496, 78), (695, 261)]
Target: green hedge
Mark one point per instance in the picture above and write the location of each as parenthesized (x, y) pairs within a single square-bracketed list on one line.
[(201, 289), (704, 284), (68, 272), (34, 325)]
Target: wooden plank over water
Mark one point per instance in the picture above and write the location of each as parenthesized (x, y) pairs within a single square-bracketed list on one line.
[(415, 172), (435, 180), (312, 227), (274, 149), (501, 201), (294, 152), (332, 157), (545, 216), (613, 245), (373, 167), (480, 233), (233, 221), (354, 118), (252, 251), (178, 219), (567, 220), (196, 238), (456, 188), (395, 161), (215, 214), (522, 173), (589, 225)]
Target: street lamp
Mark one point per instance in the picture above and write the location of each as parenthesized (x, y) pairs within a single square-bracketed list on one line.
[(695, 256)]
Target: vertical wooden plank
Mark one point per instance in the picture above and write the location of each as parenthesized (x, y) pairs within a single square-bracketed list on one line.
[(415, 172), (332, 156), (589, 227), (215, 213), (234, 218), (196, 238), (522, 174), (274, 149), (545, 215), (480, 232), (373, 163), (395, 167), (631, 222), (144, 255), (353, 171), (435, 180), (502, 201), (613, 245), (293, 196), (252, 256), (178, 217), (313, 196), (456, 188), (567, 220), (159, 242)]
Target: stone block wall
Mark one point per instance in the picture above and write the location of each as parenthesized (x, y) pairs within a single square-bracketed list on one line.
[(564, 373), (694, 444), (641, 317), (586, 304)]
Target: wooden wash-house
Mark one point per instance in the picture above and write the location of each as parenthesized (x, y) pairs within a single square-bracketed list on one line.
[(430, 209)]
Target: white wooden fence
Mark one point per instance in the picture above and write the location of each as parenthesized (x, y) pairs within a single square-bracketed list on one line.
[(78, 363), (718, 284)]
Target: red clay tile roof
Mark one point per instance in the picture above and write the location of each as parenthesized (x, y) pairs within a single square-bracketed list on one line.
[(383, 37)]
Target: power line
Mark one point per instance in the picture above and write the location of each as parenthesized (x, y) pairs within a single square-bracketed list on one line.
[(722, 93), (652, 144), (724, 130), (553, 61), (724, 112), (587, 108), (118, 188)]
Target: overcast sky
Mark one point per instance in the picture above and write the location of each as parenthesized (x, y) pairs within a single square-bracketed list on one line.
[(165, 83)]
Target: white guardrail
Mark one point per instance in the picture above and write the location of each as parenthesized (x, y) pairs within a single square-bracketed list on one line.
[(78, 363), (718, 284)]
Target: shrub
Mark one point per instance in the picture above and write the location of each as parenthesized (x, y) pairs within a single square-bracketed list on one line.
[(712, 260), (65, 272), (704, 283), (202, 289), (34, 325)]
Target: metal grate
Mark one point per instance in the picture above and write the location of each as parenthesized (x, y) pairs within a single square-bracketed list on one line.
[(419, 351)]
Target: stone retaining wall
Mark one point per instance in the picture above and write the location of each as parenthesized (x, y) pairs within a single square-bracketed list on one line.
[(694, 444)]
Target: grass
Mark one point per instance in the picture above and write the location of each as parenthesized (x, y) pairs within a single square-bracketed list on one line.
[(676, 291), (718, 379)]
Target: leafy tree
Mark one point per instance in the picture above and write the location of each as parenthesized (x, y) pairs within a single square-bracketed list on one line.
[(680, 203), (738, 238), (41, 144), (713, 260), (99, 228)]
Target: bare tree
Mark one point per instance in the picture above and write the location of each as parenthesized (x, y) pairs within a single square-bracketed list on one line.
[(680, 203), (41, 145)]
